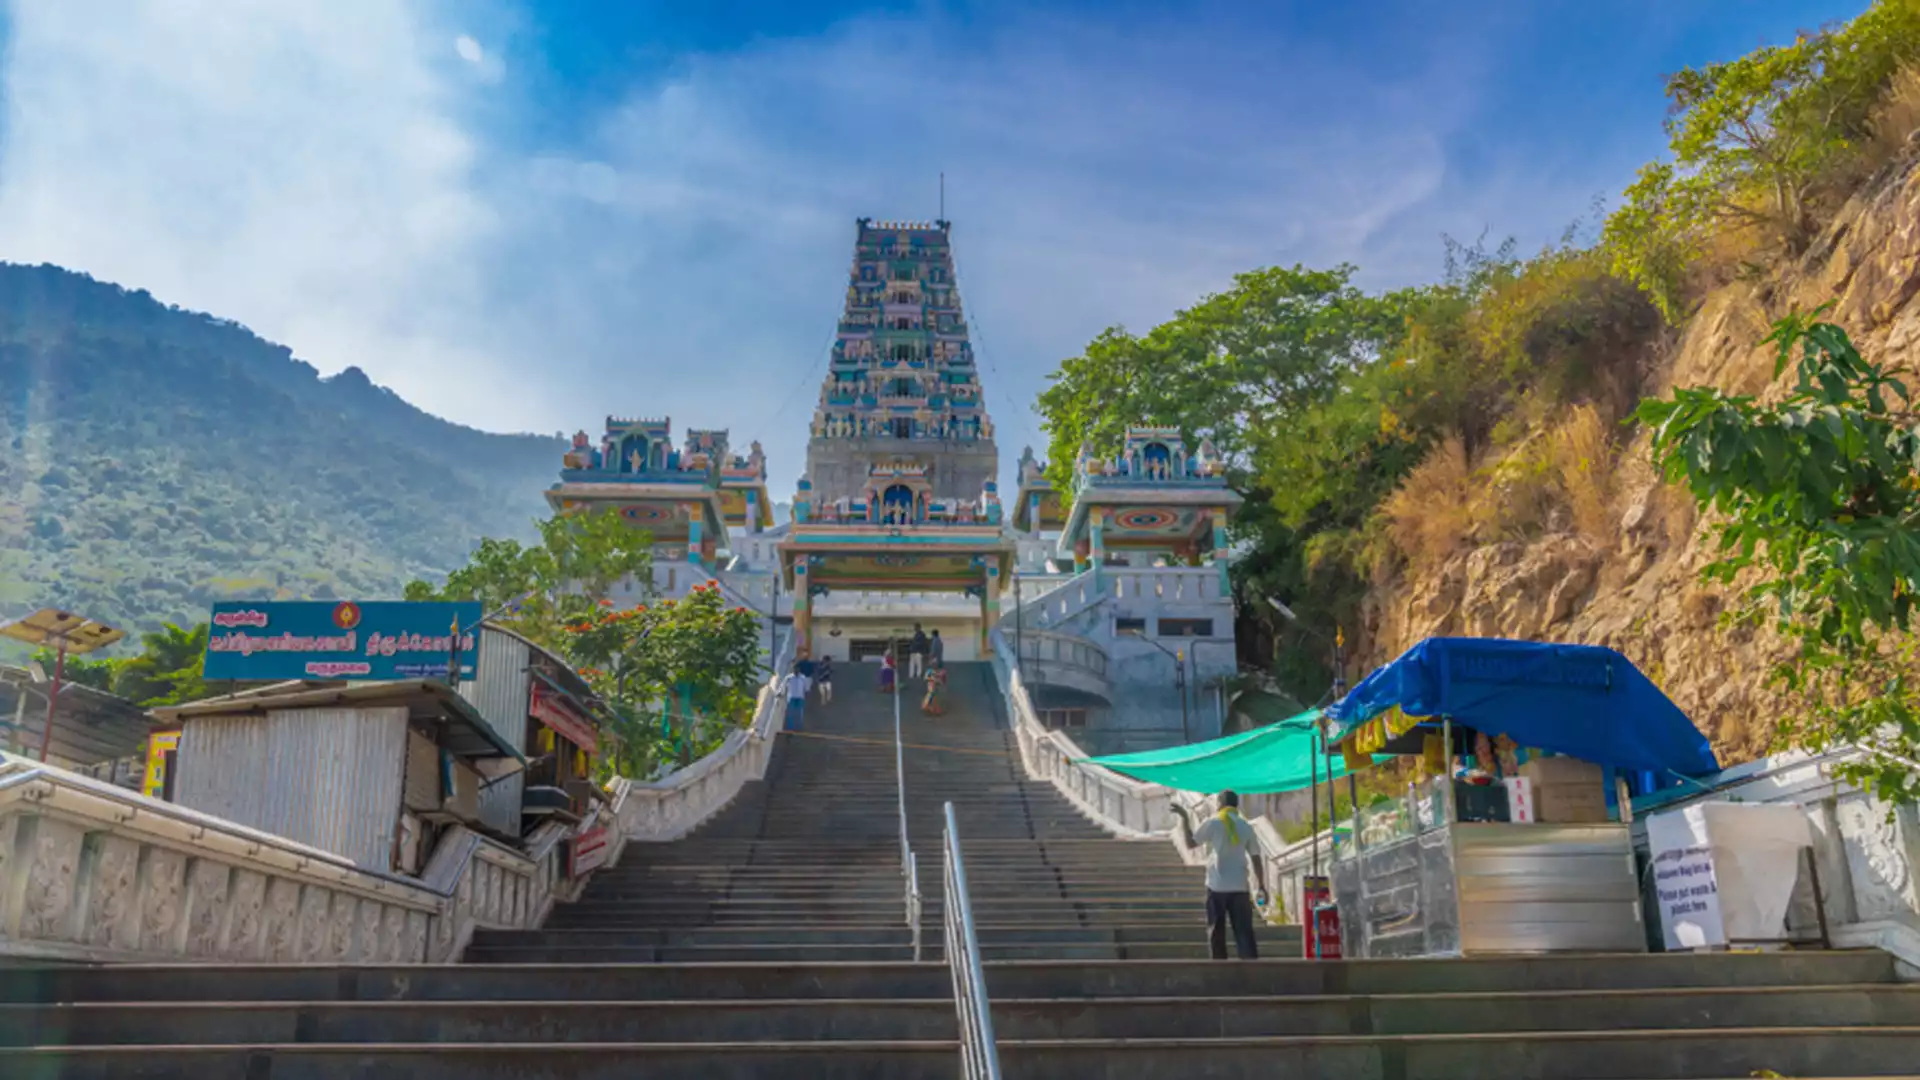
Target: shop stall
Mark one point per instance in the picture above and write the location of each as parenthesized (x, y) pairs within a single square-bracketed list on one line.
[(1510, 833)]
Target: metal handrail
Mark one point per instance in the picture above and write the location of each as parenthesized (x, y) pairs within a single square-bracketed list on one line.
[(909, 865), (979, 1056)]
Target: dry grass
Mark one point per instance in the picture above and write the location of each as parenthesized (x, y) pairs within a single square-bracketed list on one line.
[(1431, 515), (1583, 462), (1897, 117), (1561, 478)]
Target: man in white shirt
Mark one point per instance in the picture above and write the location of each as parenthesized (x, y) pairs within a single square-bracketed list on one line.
[(1232, 846), (797, 686)]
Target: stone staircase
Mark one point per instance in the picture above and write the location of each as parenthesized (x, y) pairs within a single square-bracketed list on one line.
[(772, 943), (806, 865)]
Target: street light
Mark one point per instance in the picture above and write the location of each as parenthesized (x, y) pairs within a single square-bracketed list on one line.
[(67, 633), (1321, 749), (1338, 641), (1179, 676)]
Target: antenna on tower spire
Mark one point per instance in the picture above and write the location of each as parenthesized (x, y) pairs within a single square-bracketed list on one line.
[(943, 196)]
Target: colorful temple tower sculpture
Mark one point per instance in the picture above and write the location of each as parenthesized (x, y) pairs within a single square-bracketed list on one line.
[(1136, 650), (1037, 520), (685, 496), (1109, 602), (902, 383), (898, 518), (1152, 505)]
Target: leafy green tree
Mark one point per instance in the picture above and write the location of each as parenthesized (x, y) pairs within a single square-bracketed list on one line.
[(1280, 340), (549, 586), (1753, 141), (80, 670), (168, 670), (700, 654), (1817, 512)]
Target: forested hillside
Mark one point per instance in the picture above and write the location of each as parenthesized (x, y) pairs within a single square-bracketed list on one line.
[(154, 459)]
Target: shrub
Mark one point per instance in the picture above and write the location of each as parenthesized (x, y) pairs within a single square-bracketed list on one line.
[(1583, 461), (1431, 515)]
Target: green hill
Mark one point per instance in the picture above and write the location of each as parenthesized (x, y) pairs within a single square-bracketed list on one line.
[(153, 460)]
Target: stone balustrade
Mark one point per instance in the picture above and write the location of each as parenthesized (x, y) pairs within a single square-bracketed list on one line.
[(1059, 659), (95, 873), (1124, 807), (670, 808)]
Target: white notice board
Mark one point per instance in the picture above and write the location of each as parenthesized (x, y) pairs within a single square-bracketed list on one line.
[(1725, 871)]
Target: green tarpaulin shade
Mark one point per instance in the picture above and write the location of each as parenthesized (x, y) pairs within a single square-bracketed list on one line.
[(1278, 757)]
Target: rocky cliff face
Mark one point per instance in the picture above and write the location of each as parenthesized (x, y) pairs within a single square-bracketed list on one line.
[(1638, 589)]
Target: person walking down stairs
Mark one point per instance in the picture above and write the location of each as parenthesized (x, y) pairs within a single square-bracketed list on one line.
[(823, 678), (917, 653), (797, 685), (886, 672), (1232, 846)]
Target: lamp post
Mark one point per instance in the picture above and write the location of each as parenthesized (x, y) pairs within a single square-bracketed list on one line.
[(1338, 690), (1179, 678), (1019, 619)]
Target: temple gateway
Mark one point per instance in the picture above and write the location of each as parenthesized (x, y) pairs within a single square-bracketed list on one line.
[(1113, 596)]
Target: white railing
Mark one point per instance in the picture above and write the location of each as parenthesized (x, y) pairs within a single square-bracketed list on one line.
[(1124, 807), (1067, 650), (97, 873), (1058, 603), (1164, 584), (979, 1056), (672, 807)]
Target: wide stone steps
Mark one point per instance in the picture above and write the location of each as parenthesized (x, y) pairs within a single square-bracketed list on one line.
[(772, 943), (1581, 1018)]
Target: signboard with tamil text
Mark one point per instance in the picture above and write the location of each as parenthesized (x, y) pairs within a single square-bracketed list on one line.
[(326, 639)]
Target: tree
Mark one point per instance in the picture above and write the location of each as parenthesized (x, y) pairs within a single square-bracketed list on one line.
[(1817, 500), (1753, 140), (1281, 339), (700, 655), (80, 670), (561, 581)]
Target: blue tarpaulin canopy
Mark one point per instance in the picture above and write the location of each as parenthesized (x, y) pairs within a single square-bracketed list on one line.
[(1583, 701)]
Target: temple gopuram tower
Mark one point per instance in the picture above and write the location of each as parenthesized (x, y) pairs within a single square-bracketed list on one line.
[(897, 520), (902, 386)]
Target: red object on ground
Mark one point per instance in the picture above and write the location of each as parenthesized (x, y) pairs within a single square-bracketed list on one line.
[(1326, 932)]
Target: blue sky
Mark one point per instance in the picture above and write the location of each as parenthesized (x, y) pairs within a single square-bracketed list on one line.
[(525, 215)]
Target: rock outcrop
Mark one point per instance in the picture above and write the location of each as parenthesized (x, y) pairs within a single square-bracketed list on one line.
[(1638, 590)]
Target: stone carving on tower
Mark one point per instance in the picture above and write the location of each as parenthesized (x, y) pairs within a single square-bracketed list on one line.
[(902, 386)]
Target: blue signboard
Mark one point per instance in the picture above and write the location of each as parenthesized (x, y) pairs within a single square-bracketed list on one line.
[(328, 639)]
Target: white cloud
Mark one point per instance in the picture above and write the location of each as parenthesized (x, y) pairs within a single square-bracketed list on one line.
[(313, 171), (298, 167), (487, 65)]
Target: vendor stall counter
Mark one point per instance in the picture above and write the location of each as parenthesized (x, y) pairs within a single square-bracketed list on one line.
[(1520, 858), (1412, 881)]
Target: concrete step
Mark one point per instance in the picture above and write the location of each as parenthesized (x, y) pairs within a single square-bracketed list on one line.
[(1056, 979), (1649, 1055), (226, 1022), (1193, 948), (809, 934)]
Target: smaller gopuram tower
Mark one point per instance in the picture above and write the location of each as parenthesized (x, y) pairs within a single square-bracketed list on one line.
[(684, 496), (1155, 503)]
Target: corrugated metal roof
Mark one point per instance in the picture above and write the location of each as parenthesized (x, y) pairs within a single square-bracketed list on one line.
[(467, 734), (89, 726)]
